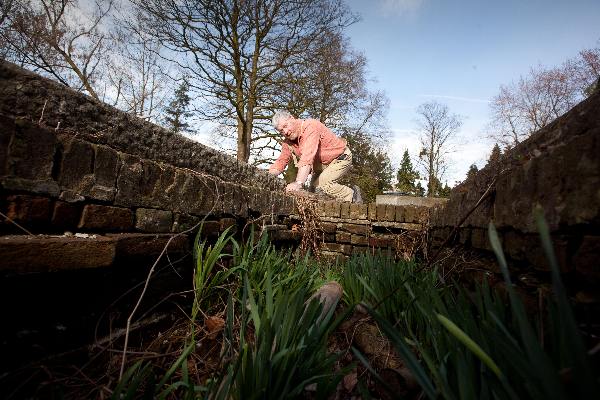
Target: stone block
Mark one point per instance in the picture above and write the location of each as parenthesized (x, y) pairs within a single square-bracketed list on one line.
[(228, 223), (343, 237), (70, 196), (410, 214), (399, 217), (359, 211), (328, 227), (151, 220), (372, 211), (360, 249), (26, 254), (464, 236), (359, 240), (345, 249), (6, 134), (381, 241), (334, 209), (210, 228), (129, 181), (106, 218), (31, 152), (479, 239), (106, 166), (345, 210), (381, 212), (329, 237), (355, 228), (65, 215), (77, 166), (184, 222), (144, 245), (28, 211), (286, 235), (390, 212), (42, 187)]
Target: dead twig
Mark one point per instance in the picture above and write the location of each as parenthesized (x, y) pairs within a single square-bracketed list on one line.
[(14, 223)]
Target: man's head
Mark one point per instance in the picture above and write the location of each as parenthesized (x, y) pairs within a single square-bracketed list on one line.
[(285, 124)]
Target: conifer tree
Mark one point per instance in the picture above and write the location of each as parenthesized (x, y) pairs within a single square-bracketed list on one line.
[(177, 112), (407, 176), (472, 171), (495, 155)]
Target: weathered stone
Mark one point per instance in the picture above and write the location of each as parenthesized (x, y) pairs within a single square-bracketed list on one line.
[(328, 227), (6, 134), (381, 241), (151, 220), (65, 215), (43, 187), (399, 217), (31, 152), (359, 240), (390, 212), (29, 211), (129, 181), (228, 223), (398, 225), (360, 249), (70, 197), (106, 218), (25, 254), (144, 245), (342, 237), (77, 166), (338, 248), (210, 228), (381, 212), (106, 167), (464, 236), (355, 228), (184, 222), (345, 210), (359, 211), (372, 211), (334, 209), (479, 239)]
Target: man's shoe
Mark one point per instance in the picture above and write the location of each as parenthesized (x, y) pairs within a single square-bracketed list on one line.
[(356, 197)]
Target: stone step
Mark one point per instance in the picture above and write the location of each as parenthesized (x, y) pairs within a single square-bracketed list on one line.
[(43, 253)]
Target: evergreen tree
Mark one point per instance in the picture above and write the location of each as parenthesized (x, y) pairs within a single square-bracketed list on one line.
[(472, 171), (495, 155), (407, 176), (177, 112), (419, 190)]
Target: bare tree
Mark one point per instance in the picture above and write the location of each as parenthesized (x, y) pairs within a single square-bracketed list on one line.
[(234, 49), (58, 38), (138, 81), (545, 94), (437, 127)]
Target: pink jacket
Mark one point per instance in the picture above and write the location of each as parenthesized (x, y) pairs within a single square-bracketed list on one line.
[(315, 142)]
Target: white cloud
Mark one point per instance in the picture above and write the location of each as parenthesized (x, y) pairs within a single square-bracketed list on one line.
[(400, 7)]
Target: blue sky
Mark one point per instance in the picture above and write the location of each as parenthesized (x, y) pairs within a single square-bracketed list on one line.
[(459, 53)]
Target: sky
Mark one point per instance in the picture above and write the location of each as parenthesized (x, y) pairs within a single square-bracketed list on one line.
[(459, 53)]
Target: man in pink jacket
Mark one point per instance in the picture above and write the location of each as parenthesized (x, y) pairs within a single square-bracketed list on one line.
[(314, 148)]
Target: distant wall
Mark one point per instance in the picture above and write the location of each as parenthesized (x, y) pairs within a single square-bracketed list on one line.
[(402, 200), (557, 168)]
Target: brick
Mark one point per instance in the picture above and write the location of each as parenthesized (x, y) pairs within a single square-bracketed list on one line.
[(410, 214), (6, 134), (328, 227), (356, 228), (342, 237), (286, 235), (151, 220), (106, 218), (345, 210), (65, 215), (144, 245), (359, 240), (359, 211), (372, 211)]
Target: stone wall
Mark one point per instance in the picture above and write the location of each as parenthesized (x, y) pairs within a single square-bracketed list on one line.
[(557, 168)]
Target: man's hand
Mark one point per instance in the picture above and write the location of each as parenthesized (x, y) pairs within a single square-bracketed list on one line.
[(292, 187)]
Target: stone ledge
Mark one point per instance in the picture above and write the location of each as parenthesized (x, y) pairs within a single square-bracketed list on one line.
[(26, 254)]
